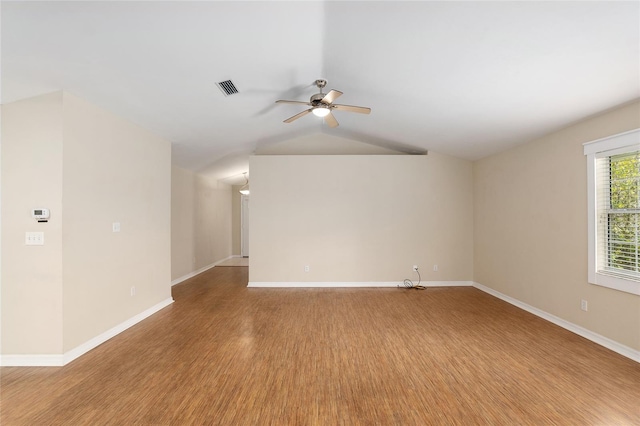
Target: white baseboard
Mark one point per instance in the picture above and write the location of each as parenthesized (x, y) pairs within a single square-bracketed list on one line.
[(63, 359), (32, 360), (447, 283), (291, 284), (580, 331), (201, 270)]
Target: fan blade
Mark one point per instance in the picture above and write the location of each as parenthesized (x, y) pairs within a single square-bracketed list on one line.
[(351, 108), (331, 96), (293, 102), (330, 120), (295, 117)]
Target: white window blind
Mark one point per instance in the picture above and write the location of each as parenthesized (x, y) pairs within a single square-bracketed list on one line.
[(618, 214)]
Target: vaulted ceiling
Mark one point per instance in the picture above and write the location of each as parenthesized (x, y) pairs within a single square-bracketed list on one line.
[(462, 78)]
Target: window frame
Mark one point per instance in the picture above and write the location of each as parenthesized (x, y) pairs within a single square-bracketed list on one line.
[(606, 147)]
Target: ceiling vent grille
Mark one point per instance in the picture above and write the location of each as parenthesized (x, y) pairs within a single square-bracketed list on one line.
[(227, 87)]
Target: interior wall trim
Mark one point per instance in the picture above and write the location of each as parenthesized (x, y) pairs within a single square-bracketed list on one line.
[(45, 360), (290, 284), (580, 331), (55, 360)]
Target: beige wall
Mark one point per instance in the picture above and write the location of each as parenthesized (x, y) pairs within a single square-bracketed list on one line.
[(113, 171), (360, 218), (530, 238), (183, 254), (31, 178), (91, 169), (212, 221), (201, 222)]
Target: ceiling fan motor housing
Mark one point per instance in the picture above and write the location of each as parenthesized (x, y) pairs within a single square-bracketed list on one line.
[(317, 98)]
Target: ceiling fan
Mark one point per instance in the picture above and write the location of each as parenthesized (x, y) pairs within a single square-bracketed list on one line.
[(321, 105)]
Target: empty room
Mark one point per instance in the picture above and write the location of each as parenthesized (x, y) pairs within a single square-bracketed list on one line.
[(320, 213)]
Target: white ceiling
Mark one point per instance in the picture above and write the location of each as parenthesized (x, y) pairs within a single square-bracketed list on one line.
[(462, 78)]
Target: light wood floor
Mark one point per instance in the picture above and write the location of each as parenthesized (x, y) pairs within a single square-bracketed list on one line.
[(224, 354), (235, 261)]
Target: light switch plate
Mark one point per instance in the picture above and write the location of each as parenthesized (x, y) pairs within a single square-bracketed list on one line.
[(34, 238)]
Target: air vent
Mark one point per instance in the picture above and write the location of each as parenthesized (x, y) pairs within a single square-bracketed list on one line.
[(227, 87)]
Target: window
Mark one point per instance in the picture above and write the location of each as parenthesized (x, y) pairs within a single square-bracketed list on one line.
[(613, 166)]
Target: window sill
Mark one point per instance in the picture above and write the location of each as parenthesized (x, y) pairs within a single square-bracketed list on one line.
[(615, 282)]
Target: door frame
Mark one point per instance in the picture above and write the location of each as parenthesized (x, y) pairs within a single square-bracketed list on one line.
[(244, 222)]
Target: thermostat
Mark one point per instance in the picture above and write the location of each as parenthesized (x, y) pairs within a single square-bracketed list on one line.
[(41, 215)]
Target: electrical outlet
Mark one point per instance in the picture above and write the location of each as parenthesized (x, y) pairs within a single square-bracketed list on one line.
[(307, 268), (115, 226), (415, 267), (133, 291), (435, 268), (584, 305)]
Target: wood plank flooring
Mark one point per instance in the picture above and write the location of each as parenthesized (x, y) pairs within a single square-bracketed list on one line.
[(235, 261), (225, 354)]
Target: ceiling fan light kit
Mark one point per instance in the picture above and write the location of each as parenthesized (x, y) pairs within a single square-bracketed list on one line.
[(321, 111), (322, 104)]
